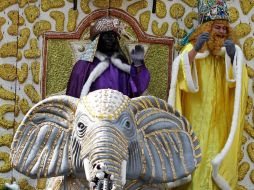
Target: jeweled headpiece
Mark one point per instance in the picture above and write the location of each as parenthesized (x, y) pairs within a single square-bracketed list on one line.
[(105, 103), (212, 10), (106, 24)]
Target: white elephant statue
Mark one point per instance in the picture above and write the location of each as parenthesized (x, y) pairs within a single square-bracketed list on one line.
[(108, 140)]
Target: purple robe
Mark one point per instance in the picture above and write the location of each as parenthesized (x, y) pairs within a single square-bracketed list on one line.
[(132, 84)]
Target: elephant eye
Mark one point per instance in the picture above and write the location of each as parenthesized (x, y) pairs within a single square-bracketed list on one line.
[(81, 129), (127, 124), (81, 125)]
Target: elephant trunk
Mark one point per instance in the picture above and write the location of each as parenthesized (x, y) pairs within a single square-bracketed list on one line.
[(105, 154)]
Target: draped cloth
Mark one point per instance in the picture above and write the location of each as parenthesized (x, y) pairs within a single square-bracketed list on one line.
[(107, 72), (211, 93)]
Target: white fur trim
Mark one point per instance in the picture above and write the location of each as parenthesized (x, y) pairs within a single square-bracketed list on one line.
[(206, 53), (202, 55), (117, 62), (216, 162), (179, 182), (120, 65), (172, 90), (191, 74), (100, 56), (13, 186), (97, 71), (227, 65)]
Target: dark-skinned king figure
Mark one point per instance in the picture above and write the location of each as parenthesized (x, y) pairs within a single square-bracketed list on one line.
[(108, 67)]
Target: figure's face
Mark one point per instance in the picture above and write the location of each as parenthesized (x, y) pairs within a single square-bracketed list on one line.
[(218, 34), (219, 29), (108, 42)]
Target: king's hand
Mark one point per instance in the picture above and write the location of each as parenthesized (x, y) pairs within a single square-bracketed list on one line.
[(137, 55)]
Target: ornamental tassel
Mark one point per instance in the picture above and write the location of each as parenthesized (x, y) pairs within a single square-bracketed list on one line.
[(75, 4), (154, 6)]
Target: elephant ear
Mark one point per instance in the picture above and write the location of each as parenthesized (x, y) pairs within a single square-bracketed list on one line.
[(170, 149), (40, 146)]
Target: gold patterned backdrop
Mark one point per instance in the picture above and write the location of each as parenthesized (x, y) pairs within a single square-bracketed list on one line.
[(23, 22)]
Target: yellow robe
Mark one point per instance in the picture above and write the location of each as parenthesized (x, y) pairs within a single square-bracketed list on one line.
[(212, 95)]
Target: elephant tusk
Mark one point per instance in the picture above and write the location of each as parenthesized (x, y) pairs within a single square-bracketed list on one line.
[(87, 169), (123, 171), (92, 185), (114, 187)]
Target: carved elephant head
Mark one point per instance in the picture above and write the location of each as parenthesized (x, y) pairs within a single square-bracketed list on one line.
[(106, 138)]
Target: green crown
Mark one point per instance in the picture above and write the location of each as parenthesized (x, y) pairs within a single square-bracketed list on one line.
[(212, 10)]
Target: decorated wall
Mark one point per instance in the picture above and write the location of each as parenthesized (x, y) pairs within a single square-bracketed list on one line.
[(23, 23)]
